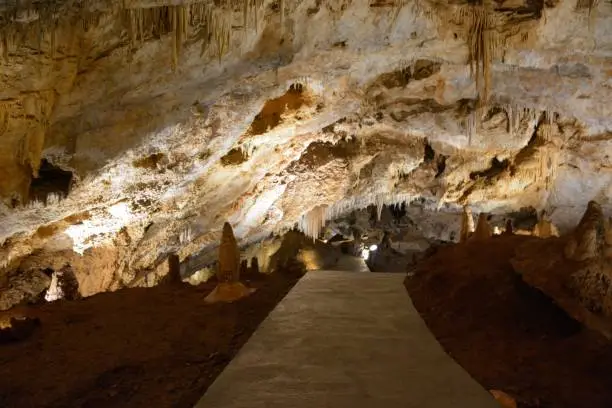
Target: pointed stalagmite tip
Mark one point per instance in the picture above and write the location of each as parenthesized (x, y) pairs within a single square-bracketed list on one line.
[(227, 229)]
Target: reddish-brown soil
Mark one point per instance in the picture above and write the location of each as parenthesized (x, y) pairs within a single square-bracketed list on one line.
[(507, 335), (157, 347)]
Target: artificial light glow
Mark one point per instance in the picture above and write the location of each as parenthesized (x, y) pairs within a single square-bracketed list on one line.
[(497, 230), (365, 253), (373, 247)]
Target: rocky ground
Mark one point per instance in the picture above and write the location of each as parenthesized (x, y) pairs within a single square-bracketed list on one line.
[(141, 347), (506, 334)]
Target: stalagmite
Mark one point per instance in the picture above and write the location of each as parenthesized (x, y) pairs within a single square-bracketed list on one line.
[(67, 283), (174, 270), (229, 287), (588, 240), (483, 229), (467, 224), (544, 228)]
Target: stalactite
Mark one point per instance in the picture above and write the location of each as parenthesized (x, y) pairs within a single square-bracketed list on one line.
[(282, 17), (212, 22), (471, 126), (313, 222), (360, 202), (484, 43)]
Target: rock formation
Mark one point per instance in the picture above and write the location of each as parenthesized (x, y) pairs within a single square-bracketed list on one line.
[(575, 271), (545, 228), (483, 229), (588, 240), (229, 288), (173, 275), (467, 224), (63, 285), (254, 116), (68, 284)]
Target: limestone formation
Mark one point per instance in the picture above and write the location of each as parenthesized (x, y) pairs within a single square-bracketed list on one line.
[(23, 287), (229, 288), (483, 229), (173, 275), (473, 104), (575, 271), (545, 228), (67, 283), (229, 257), (589, 238), (467, 224)]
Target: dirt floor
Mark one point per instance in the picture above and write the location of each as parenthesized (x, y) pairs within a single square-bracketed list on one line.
[(507, 335), (157, 347)]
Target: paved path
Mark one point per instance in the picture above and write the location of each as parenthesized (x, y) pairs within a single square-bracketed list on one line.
[(345, 340), (350, 263)]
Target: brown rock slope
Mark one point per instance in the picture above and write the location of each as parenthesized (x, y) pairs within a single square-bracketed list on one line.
[(506, 334), (575, 271)]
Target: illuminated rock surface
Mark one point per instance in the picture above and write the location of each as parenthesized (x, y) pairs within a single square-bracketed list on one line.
[(127, 134)]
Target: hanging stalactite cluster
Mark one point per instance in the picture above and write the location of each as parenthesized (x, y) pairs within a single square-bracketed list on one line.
[(484, 44), (205, 20)]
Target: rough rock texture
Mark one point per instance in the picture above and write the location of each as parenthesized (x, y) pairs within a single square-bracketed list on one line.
[(23, 286), (575, 271), (259, 115), (545, 229)]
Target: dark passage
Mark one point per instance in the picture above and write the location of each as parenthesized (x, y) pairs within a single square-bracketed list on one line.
[(51, 179)]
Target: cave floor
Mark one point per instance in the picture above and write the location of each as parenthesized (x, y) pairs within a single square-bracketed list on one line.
[(350, 263), (143, 347), (507, 335), (343, 339)]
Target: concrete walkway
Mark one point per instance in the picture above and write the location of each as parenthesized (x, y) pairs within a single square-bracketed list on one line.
[(345, 340), (350, 263)]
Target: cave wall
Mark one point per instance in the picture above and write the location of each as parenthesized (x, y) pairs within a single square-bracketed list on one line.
[(325, 103)]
